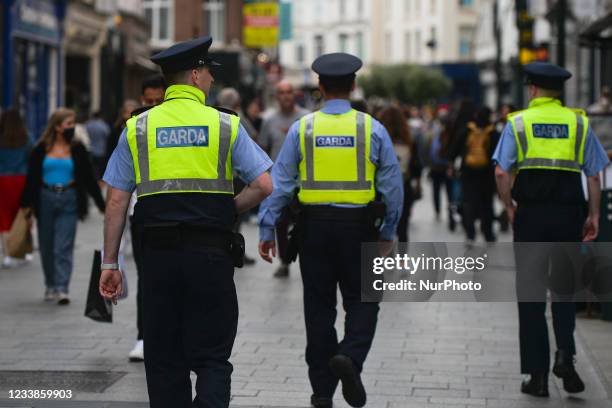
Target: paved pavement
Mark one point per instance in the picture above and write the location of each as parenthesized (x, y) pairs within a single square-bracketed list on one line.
[(424, 355)]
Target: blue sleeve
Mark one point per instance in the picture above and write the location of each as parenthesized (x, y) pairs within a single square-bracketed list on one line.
[(285, 173), (248, 160), (506, 151), (120, 168), (595, 157), (388, 179)]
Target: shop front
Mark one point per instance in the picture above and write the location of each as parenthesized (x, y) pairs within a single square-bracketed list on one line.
[(31, 47)]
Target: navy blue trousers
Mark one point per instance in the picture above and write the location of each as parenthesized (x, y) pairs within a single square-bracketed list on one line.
[(545, 223), (190, 322), (330, 259)]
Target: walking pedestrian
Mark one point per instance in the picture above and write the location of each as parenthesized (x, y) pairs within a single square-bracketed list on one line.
[(393, 119), (271, 138), (339, 158), (475, 146), (551, 146), (180, 157), (59, 178), (438, 171), (14, 151), (99, 132)]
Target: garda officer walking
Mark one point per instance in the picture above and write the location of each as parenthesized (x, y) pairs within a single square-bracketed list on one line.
[(339, 159), (550, 145), (180, 157)]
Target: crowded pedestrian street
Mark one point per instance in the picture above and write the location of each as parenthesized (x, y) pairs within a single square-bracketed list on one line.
[(424, 354)]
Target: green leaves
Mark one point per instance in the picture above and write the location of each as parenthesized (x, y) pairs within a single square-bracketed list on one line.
[(410, 84)]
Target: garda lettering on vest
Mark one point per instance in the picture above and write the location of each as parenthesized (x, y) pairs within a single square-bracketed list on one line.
[(182, 136), (335, 141), (550, 131)]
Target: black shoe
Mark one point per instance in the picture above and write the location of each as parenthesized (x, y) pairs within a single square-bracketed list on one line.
[(564, 369), (352, 387), (536, 386), (321, 402), (282, 271)]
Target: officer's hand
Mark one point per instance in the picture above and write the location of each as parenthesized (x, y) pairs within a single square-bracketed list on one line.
[(590, 229), (265, 248), (111, 284), (385, 247)]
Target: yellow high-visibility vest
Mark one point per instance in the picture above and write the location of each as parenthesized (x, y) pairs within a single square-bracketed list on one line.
[(182, 146), (335, 165), (549, 136)]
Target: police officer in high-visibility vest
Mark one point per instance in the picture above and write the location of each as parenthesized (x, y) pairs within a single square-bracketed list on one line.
[(180, 156), (340, 160), (550, 146)]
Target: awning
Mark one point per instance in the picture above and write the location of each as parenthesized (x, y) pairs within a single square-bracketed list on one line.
[(598, 33)]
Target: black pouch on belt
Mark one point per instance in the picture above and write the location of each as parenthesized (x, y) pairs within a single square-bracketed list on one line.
[(238, 250)]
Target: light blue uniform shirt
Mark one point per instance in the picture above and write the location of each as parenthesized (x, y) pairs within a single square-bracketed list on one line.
[(595, 157), (285, 176), (248, 160)]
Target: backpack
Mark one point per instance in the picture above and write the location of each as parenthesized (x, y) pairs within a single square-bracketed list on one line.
[(478, 144)]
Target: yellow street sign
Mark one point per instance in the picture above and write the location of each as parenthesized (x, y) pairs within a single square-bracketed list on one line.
[(260, 28)]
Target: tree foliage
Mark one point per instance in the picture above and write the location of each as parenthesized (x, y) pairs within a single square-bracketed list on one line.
[(406, 83)]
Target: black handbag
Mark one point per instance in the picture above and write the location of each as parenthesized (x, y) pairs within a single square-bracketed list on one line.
[(97, 308)]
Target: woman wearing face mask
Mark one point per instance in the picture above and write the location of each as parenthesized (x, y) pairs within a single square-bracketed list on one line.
[(60, 176)]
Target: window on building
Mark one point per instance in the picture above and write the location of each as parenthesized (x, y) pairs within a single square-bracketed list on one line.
[(432, 7), (319, 45), (359, 8), (343, 42), (388, 46), (214, 19), (466, 42), (417, 8), (359, 45), (159, 14), (342, 9), (466, 3), (299, 53), (407, 46), (407, 8), (417, 45)]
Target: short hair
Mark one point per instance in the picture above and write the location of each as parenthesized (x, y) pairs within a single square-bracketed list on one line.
[(550, 93), (155, 81), (337, 85), (228, 98)]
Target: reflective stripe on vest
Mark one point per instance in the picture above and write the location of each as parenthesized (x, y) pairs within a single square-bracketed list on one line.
[(550, 163), (147, 186), (347, 191)]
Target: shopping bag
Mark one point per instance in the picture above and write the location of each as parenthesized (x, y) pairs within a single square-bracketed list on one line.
[(97, 308), (19, 239)]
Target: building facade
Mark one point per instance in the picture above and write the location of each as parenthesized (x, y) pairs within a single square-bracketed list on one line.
[(422, 32), (324, 26)]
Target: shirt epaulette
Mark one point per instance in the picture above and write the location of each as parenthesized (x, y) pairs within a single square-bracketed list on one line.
[(225, 110), (138, 111)]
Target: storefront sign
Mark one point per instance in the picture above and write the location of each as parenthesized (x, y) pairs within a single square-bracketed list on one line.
[(36, 19), (260, 28)]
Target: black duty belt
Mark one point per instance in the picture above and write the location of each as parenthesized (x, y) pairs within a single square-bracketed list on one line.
[(59, 188), (328, 212), (160, 236)]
